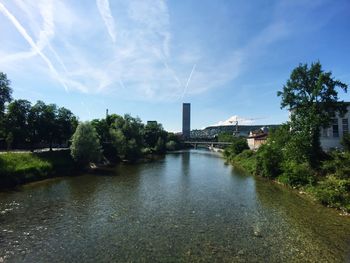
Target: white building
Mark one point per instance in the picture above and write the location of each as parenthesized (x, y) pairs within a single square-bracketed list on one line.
[(331, 137)]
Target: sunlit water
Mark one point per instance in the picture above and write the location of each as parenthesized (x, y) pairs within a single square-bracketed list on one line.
[(187, 207)]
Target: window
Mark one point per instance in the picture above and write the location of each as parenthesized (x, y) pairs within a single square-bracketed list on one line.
[(325, 132), (335, 128), (345, 123)]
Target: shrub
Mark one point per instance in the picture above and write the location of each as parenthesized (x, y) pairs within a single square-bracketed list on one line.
[(238, 145), (269, 159), (296, 174), (171, 145), (246, 160), (333, 192), (338, 164)]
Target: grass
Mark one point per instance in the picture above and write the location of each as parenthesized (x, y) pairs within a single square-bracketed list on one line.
[(19, 168)]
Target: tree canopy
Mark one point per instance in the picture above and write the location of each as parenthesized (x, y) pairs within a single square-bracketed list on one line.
[(85, 146), (311, 95), (5, 91)]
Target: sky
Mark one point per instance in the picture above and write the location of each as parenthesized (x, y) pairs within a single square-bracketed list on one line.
[(228, 58)]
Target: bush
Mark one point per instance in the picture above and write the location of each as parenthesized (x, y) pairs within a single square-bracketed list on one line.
[(171, 146), (238, 145), (246, 160), (269, 159), (296, 174), (337, 164), (333, 192), (85, 146)]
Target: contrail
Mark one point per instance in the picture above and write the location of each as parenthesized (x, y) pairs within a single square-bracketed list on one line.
[(188, 81), (106, 14), (30, 41), (48, 31), (172, 72)]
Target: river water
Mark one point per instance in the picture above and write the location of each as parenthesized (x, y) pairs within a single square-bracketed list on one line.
[(187, 207)]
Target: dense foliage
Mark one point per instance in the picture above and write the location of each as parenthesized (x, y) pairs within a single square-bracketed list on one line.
[(128, 138), (312, 98), (292, 154), (85, 146), (238, 145), (27, 126)]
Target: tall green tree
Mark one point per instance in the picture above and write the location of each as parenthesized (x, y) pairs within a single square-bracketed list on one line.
[(34, 124), (5, 96), (16, 120), (50, 124), (311, 96), (152, 133), (85, 146), (66, 124), (5, 91)]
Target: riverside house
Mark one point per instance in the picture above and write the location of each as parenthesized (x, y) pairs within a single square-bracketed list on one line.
[(331, 137), (257, 138)]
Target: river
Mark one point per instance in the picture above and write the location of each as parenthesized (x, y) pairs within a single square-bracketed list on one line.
[(187, 207)]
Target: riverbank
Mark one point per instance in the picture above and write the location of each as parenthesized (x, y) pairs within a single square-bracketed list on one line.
[(327, 189), (17, 168), (20, 168)]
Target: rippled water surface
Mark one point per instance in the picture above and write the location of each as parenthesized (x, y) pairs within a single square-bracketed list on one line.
[(187, 207)]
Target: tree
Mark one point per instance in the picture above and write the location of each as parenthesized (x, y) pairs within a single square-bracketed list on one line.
[(5, 92), (5, 96), (238, 145), (154, 136), (118, 142), (66, 124), (16, 120), (85, 146), (34, 123), (311, 96), (226, 137)]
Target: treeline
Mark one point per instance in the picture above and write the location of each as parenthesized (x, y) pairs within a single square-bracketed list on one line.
[(27, 126), (293, 154), (120, 138)]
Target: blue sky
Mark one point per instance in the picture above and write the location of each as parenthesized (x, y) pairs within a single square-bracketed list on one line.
[(146, 57)]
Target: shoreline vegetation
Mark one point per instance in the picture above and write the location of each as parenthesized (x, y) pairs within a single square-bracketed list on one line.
[(292, 154), (326, 189), (92, 144)]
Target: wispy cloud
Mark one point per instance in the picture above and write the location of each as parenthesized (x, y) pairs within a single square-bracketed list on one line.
[(144, 60), (30, 41), (106, 14)]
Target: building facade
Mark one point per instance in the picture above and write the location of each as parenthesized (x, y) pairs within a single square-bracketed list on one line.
[(257, 138), (186, 120), (331, 137)]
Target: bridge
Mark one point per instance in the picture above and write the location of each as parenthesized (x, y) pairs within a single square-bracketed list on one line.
[(209, 144)]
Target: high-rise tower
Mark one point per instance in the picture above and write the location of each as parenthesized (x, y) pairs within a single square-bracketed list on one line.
[(186, 120)]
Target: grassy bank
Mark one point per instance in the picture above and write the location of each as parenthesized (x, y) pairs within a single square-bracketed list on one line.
[(19, 168), (330, 185)]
